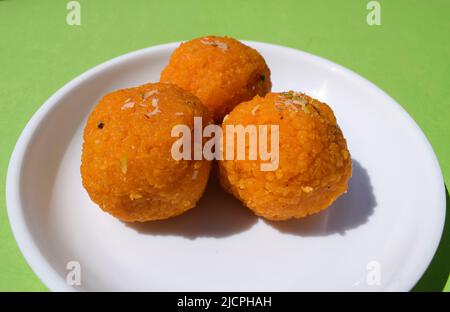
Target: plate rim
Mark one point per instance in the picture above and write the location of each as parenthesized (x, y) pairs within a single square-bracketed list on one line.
[(23, 237)]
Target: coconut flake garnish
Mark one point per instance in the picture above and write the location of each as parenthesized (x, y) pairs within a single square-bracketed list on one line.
[(255, 109), (153, 112), (194, 175), (124, 164), (156, 110), (215, 43), (179, 113), (149, 94), (128, 105), (292, 100)]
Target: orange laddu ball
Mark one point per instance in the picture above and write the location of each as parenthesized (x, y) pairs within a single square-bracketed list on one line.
[(221, 71), (313, 167), (127, 166)]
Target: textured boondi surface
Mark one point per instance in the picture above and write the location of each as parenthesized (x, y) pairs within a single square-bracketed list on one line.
[(127, 166), (221, 71), (314, 163)]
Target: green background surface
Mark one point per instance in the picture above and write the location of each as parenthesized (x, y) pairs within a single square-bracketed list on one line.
[(407, 56)]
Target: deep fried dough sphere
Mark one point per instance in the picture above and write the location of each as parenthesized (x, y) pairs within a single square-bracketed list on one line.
[(221, 71), (314, 162), (127, 166)]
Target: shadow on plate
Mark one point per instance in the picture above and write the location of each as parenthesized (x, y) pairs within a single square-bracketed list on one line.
[(218, 214), (347, 212)]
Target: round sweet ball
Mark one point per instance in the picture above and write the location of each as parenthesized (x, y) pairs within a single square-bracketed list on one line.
[(128, 167), (305, 166), (221, 71)]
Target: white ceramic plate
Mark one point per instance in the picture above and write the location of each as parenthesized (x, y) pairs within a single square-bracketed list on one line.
[(381, 235)]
